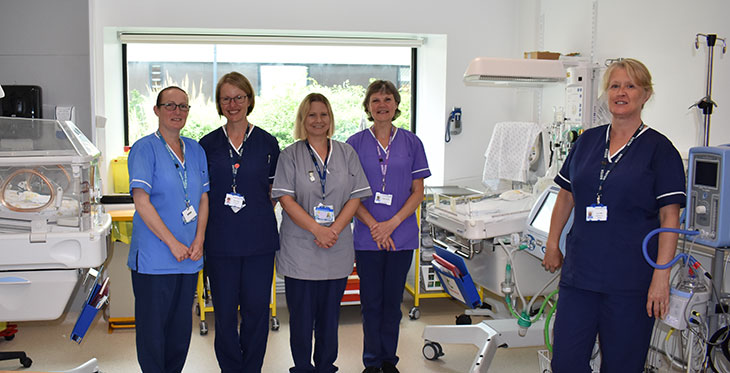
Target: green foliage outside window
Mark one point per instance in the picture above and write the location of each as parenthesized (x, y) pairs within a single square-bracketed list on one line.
[(273, 112)]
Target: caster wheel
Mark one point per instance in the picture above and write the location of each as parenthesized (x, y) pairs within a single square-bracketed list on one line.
[(203, 328), (415, 313), (432, 351), (274, 323), (26, 362), (197, 310), (9, 337), (463, 320)]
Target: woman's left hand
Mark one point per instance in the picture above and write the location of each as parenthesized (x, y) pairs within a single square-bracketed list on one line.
[(382, 230), (387, 244), (196, 250), (657, 302)]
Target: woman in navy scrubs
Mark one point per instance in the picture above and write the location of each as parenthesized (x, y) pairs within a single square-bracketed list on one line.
[(242, 237), (624, 179), (168, 179), (386, 229)]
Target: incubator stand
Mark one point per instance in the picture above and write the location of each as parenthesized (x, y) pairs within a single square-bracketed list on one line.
[(51, 222)]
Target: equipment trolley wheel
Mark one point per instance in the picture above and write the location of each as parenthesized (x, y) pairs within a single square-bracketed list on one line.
[(197, 310), (203, 327), (463, 319), (26, 362), (415, 313), (9, 337), (275, 323), (432, 350)]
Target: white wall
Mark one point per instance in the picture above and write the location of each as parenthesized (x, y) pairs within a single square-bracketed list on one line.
[(46, 43), (455, 33), (661, 34)]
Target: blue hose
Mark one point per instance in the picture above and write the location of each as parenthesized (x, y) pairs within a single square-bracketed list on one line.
[(676, 258)]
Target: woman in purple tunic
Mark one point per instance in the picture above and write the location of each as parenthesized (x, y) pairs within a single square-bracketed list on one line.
[(386, 229)]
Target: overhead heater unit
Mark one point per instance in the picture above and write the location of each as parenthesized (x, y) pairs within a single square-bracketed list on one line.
[(513, 72)]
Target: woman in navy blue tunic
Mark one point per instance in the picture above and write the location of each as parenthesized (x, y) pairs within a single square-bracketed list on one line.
[(241, 239), (624, 179)]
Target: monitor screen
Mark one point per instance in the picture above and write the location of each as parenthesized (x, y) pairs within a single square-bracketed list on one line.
[(541, 221), (705, 173)]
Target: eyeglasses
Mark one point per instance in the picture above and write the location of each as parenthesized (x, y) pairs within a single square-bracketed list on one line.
[(238, 99), (171, 106)]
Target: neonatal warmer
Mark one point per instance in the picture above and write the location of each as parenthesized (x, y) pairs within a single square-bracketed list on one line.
[(51, 222)]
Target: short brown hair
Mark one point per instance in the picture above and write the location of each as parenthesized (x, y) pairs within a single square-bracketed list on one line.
[(300, 133), (159, 94), (382, 86), (239, 81)]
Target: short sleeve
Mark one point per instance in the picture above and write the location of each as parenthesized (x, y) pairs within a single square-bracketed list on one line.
[(285, 175), (360, 185), (669, 185), (419, 169), (141, 165), (274, 159)]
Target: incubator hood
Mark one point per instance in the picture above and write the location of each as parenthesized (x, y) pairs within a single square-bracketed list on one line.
[(513, 72)]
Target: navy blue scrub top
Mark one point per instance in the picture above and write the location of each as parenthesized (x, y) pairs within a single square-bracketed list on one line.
[(607, 256), (253, 229)]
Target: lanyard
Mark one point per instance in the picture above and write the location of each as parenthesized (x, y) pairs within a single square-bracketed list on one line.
[(236, 161), (606, 166), (182, 171), (322, 175), (384, 161)]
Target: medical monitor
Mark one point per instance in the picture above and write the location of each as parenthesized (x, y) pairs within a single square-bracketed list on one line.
[(708, 199), (538, 223)]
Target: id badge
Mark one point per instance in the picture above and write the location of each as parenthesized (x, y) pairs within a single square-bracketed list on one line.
[(597, 213), (383, 199), (235, 201), (189, 214), (324, 214)]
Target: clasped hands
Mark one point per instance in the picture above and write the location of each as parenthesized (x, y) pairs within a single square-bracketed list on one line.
[(381, 232), (182, 252)]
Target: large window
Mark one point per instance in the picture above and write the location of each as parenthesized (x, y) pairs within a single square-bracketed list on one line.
[(280, 74)]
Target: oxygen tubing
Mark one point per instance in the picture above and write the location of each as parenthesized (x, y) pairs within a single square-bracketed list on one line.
[(651, 234)]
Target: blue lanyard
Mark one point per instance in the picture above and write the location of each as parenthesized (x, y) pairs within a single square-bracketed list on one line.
[(236, 162), (182, 170), (322, 174), (384, 161), (606, 166)]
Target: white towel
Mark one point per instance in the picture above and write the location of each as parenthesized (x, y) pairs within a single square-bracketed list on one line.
[(507, 154)]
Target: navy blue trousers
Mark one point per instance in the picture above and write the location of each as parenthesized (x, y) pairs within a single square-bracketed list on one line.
[(382, 279), (620, 321), (314, 305), (163, 313), (243, 282)]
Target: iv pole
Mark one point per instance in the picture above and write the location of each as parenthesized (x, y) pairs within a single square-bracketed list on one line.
[(706, 105), (706, 102)]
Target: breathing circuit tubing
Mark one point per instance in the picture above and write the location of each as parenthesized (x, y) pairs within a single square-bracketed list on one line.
[(682, 256)]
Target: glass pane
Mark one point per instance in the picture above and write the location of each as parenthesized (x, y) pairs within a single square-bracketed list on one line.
[(281, 77)]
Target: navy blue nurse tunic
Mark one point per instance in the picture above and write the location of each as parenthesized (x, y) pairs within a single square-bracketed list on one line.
[(605, 279), (606, 256)]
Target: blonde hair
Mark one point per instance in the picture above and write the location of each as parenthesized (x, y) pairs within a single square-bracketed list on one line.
[(637, 72), (300, 133)]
